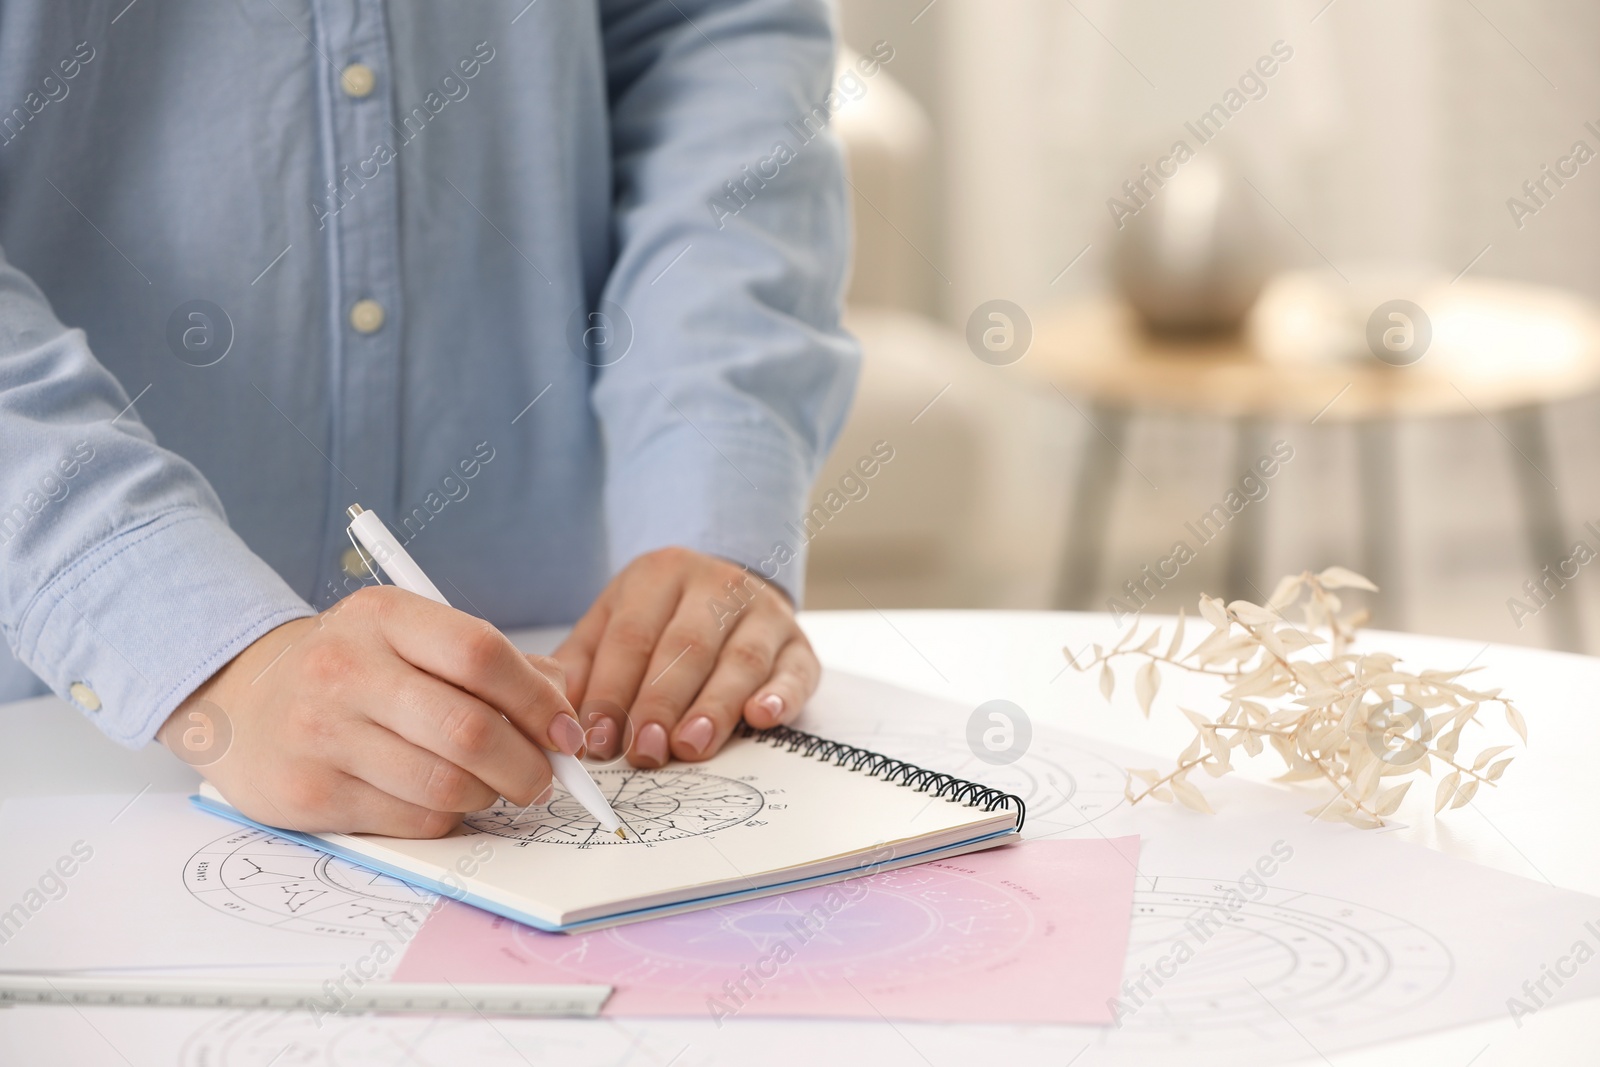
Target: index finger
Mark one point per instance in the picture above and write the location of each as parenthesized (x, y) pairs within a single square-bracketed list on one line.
[(472, 655)]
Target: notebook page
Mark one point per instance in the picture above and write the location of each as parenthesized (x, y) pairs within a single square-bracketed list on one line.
[(754, 814)]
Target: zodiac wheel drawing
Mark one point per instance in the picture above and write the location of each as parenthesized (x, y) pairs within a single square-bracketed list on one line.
[(1251, 963), (1058, 781), (910, 922), (270, 880), (663, 805)]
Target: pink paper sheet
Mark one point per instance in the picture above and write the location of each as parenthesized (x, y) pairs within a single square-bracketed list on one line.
[(1034, 932)]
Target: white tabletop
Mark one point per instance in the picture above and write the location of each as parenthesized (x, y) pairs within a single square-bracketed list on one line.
[(1540, 824)]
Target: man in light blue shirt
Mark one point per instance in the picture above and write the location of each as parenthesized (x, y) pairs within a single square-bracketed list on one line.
[(504, 273)]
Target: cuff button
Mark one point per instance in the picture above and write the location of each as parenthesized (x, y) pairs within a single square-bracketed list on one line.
[(84, 697)]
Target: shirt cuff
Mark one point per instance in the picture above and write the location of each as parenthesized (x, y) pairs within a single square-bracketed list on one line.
[(134, 626), (725, 491)]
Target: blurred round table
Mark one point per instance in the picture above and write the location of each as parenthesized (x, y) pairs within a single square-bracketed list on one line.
[(1492, 348)]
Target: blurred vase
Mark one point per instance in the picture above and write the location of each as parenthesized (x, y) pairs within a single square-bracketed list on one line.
[(1195, 256)]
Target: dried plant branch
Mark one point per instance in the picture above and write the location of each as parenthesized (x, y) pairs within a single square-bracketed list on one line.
[(1350, 719)]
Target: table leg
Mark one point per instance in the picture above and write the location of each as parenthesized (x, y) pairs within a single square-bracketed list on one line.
[(1533, 469), (1089, 521), (1382, 526), (1247, 533)]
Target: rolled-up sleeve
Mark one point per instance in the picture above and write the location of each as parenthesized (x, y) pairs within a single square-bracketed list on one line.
[(121, 584), (732, 242)]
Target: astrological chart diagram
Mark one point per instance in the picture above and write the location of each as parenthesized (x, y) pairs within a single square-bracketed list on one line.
[(654, 806), (1323, 962), (269, 880), (1061, 784), (909, 923)]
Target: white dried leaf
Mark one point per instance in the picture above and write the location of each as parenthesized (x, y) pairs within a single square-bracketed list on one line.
[(1305, 772), (1497, 769), (1333, 809), (1342, 578), (1163, 794), (1294, 639), (1387, 801), (1212, 611), (1366, 781), (1488, 754), (1286, 592), (1447, 789), (1447, 744), (1146, 683), (1147, 776), (1177, 638), (1465, 794), (1515, 721), (1190, 797), (1253, 614), (1108, 681)]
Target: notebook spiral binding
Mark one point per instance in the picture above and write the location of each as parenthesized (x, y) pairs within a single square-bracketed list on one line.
[(877, 765)]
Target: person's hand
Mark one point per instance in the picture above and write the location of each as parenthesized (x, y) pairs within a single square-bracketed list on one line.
[(676, 649), (386, 714)]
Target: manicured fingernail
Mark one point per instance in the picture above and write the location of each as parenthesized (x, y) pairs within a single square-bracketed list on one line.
[(697, 734), (774, 704), (652, 743), (598, 739), (566, 734)]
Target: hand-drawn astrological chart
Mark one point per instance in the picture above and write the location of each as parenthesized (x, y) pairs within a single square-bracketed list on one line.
[(664, 805), (269, 880), (909, 923), (1326, 963)]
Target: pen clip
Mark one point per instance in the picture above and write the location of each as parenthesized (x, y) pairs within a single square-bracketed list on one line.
[(370, 563)]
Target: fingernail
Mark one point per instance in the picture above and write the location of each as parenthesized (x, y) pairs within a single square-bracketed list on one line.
[(652, 743), (566, 734), (697, 735), (774, 704)]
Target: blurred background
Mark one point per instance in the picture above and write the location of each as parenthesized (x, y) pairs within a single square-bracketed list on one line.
[(1165, 298)]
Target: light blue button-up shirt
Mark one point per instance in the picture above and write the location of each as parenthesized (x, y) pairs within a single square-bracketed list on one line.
[(530, 280)]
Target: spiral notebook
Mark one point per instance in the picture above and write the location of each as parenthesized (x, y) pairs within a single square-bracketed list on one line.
[(774, 810)]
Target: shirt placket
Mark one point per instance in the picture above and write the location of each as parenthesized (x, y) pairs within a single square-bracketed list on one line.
[(363, 194)]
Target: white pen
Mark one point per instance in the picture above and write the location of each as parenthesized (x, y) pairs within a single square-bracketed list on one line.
[(403, 571)]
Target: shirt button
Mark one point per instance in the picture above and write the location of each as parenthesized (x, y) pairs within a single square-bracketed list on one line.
[(84, 697), (352, 564), (357, 80), (366, 316)]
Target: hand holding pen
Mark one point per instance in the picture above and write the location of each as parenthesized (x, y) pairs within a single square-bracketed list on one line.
[(382, 550), (388, 713)]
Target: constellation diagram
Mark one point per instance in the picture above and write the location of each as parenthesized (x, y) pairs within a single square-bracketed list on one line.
[(276, 882), (1061, 783), (661, 805), (1315, 959)]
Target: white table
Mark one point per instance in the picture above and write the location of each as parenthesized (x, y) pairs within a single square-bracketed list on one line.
[(1538, 825)]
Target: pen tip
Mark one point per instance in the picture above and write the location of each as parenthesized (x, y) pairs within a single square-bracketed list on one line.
[(620, 832)]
